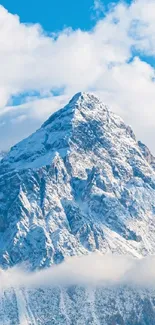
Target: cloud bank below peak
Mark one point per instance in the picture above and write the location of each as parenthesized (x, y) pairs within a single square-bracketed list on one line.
[(110, 60), (94, 269)]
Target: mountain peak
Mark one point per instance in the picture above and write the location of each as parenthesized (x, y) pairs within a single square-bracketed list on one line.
[(81, 103), (84, 124), (77, 184), (84, 97)]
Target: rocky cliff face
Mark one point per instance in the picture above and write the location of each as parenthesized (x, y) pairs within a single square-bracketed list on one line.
[(80, 183)]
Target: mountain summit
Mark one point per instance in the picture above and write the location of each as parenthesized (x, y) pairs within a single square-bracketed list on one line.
[(80, 183), (79, 125)]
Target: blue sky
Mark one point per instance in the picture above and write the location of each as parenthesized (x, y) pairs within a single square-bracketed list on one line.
[(56, 14), (52, 49)]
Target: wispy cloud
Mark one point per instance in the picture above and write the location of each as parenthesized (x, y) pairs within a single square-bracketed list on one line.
[(98, 9), (94, 269)]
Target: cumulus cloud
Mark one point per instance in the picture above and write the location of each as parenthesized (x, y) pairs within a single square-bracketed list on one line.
[(94, 269), (106, 60), (17, 122)]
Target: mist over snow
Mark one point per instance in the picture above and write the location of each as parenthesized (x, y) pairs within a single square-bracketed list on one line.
[(91, 270)]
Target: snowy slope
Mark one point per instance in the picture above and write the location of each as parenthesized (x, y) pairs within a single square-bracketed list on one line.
[(80, 183), (78, 306)]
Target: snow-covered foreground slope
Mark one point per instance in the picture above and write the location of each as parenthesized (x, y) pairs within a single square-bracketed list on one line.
[(78, 306), (79, 184)]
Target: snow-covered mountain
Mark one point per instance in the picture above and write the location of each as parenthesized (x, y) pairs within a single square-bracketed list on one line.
[(80, 183)]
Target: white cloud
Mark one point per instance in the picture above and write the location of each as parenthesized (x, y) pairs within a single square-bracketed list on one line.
[(98, 9), (94, 269), (99, 60), (17, 122)]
